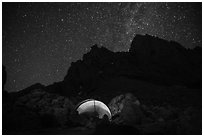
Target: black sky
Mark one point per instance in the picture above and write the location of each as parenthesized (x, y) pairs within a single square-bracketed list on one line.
[(40, 40)]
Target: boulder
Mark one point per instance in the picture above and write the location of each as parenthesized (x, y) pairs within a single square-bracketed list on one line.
[(125, 109)]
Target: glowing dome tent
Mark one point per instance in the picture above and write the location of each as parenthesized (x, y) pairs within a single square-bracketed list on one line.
[(92, 106)]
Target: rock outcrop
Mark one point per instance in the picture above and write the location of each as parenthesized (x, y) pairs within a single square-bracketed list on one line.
[(167, 61), (126, 109), (149, 59)]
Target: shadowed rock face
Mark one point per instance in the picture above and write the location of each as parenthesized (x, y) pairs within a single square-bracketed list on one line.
[(149, 59), (167, 61)]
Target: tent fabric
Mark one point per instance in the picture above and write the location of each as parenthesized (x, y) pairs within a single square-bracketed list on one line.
[(91, 106)]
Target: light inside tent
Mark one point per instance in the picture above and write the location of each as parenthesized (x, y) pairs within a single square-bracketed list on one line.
[(91, 106)]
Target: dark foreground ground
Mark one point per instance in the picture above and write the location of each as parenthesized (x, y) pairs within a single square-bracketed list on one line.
[(163, 110)]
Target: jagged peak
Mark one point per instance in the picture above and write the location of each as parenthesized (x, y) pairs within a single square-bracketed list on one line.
[(95, 47), (97, 51)]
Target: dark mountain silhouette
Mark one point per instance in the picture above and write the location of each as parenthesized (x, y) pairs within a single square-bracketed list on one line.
[(165, 77), (149, 59)]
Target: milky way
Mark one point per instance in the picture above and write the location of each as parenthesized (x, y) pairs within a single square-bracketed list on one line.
[(40, 40)]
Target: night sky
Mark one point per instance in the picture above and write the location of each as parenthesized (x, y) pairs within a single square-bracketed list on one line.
[(40, 40)]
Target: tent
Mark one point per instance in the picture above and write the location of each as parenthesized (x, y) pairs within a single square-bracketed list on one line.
[(93, 106)]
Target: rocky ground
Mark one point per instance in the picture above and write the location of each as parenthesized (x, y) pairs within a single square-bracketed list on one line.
[(39, 112)]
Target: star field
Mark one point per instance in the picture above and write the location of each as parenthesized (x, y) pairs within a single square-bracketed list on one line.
[(40, 40)]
